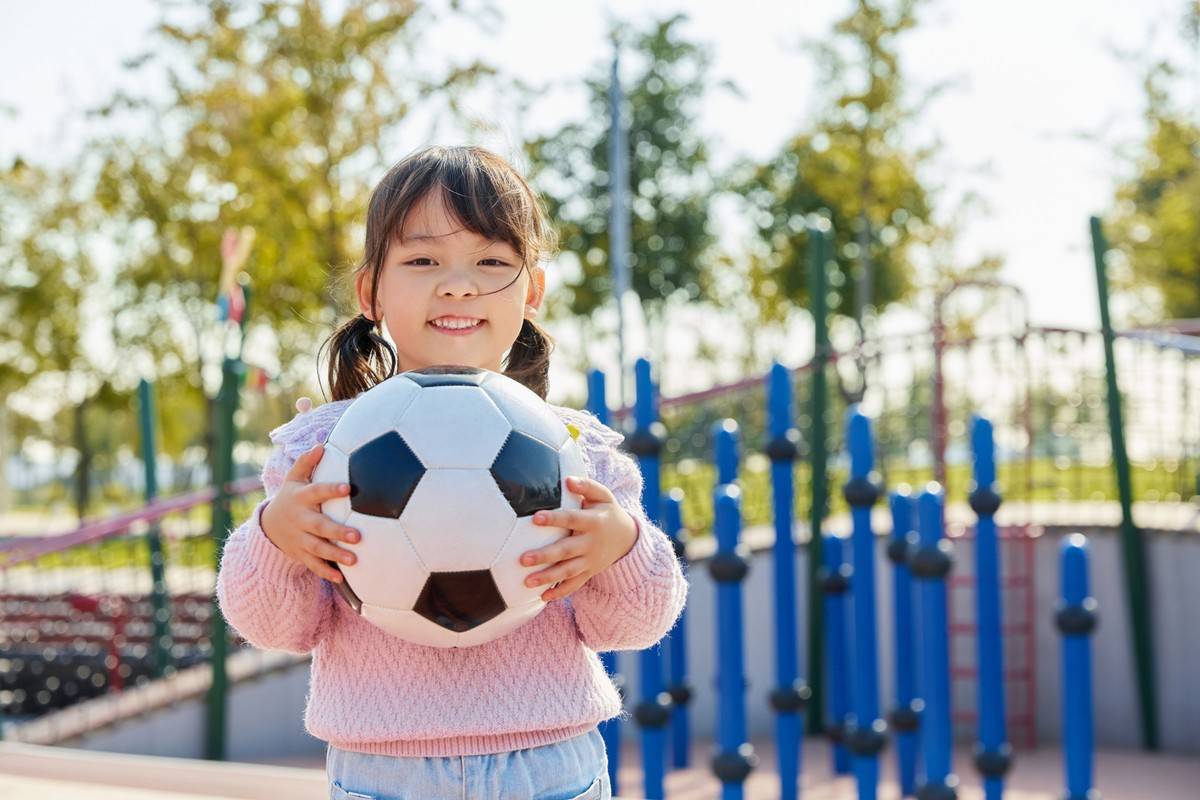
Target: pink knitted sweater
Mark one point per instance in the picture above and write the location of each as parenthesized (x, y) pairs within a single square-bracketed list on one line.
[(374, 693)]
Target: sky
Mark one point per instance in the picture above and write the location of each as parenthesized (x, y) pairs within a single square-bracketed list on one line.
[(1039, 103)]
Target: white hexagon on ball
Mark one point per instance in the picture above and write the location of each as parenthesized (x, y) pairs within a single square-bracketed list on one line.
[(457, 520)]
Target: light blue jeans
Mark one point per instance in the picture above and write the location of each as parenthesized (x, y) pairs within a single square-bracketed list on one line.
[(573, 769)]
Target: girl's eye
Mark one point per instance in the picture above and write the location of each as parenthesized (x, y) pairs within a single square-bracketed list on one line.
[(497, 262)]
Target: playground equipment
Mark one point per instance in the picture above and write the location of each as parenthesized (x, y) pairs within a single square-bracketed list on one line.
[(922, 560)]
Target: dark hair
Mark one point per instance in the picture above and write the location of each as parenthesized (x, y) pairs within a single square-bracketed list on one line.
[(488, 197)]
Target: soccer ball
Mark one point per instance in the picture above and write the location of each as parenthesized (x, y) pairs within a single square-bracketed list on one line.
[(446, 467)]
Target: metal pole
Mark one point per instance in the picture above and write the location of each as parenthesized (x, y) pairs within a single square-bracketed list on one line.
[(232, 369), (654, 710), (818, 297), (993, 755), (678, 688), (834, 580), (618, 191), (159, 597), (222, 519), (866, 736), (735, 756), (789, 696), (1076, 619), (610, 729), (1133, 550), (930, 562), (906, 716)]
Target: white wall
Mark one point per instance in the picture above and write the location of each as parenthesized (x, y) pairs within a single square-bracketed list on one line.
[(1174, 562), (265, 714), (265, 722)]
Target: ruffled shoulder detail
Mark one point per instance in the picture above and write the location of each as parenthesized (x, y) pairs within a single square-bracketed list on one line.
[(308, 428), (593, 434)]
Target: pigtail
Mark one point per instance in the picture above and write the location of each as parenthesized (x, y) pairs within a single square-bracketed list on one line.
[(359, 358), (528, 359)]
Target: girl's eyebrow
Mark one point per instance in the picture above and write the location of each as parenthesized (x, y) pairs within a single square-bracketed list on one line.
[(432, 239)]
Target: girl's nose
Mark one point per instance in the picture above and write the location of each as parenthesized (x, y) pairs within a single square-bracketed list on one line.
[(459, 282)]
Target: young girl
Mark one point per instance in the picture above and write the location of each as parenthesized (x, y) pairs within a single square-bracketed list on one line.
[(454, 237)]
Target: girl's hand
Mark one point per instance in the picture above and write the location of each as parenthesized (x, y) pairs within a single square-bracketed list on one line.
[(600, 534), (294, 523)]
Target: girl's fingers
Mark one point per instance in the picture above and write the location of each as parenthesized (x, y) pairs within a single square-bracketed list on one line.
[(590, 490), (318, 524), (329, 552), (572, 519), (565, 588), (303, 468), (322, 568), (553, 553), (559, 572), (316, 493)]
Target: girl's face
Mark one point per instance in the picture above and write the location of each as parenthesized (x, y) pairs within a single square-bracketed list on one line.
[(439, 270)]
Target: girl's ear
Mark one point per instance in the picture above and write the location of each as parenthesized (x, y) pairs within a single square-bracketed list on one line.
[(537, 290), (362, 288)]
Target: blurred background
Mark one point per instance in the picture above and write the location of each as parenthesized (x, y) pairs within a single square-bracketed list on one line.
[(183, 189), (943, 141)]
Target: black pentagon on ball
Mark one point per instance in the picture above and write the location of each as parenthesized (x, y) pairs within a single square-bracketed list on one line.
[(527, 472), (447, 376), (460, 601), (383, 474)]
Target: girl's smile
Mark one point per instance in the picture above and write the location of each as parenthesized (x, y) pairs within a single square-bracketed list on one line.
[(457, 326)]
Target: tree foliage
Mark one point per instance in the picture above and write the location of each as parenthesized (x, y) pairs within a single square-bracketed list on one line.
[(1155, 226), (275, 115), (850, 166), (670, 178)]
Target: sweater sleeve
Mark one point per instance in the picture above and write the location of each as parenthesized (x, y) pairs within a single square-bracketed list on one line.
[(274, 602), (635, 602)]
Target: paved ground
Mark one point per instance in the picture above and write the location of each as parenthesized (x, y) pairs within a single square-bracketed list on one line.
[(61, 774), (1120, 775)]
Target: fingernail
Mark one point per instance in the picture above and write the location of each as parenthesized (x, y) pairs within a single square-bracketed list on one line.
[(347, 559), (351, 535), (345, 488), (526, 559), (531, 582), (539, 517)]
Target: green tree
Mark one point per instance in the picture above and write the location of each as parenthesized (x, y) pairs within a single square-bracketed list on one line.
[(671, 181), (278, 117), (1155, 226), (49, 300), (851, 166)]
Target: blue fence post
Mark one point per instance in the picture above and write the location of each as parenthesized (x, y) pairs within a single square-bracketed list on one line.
[(735, 757), (930, 562), (654, 709), (1076, 619), (865, 732), (993, 754), (834, 577), (679, 689), (790, 694), (610, 729), (905, 717)]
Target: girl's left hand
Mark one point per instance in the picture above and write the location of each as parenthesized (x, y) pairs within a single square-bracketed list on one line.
[(600, 533)]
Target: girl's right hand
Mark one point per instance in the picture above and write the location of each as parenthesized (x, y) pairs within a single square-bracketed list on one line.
[(294, 523)]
